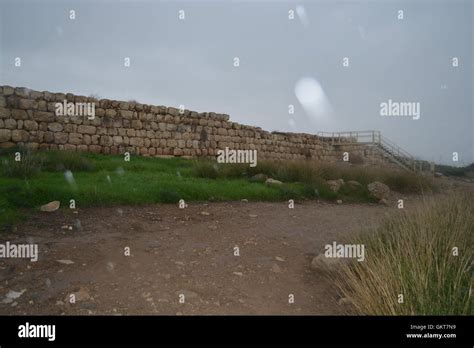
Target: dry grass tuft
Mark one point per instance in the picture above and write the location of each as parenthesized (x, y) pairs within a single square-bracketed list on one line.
[(413, 255)]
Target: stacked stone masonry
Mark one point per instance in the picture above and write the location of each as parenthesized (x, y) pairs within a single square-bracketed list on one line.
[(28, 118)]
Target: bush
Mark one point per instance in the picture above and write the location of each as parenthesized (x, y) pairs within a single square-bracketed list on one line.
[(205, 169), (28, 166), (412, 255), (314, 173), (407, 182), (287, 192), (66, 160)]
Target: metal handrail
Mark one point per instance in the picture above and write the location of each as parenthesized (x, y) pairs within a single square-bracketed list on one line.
[(375, 137)]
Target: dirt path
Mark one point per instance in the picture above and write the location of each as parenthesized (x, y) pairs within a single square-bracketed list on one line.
[(181, 251)]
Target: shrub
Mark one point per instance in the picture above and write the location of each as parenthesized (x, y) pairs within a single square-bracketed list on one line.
[(412, 255), (407, 182), (28, 166), (287, 192), (66, 160), (312, 172), (205, 169)]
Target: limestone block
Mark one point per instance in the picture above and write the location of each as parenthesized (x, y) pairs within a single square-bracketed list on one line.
[(5, 135), (27, 104), (86, 129), (60, 138)]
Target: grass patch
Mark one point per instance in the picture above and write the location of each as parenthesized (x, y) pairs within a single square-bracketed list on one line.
[(65, 160), (20, 163), (467, 171), (316, 173), (94, 180), (412, 255)]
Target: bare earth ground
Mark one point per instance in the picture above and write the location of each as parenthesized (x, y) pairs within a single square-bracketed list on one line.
[(185, 251), (181, 251)]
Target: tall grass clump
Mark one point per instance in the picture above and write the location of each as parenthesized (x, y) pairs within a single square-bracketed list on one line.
[(57, 160), (414, 255), (20, 163), (314, 173)]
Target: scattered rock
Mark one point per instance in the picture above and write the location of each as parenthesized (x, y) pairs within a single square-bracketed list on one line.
[(240, 274), (273, 182), (438, 174), (378, 190), (253, 215), (187, 293), (65, 262), (384, 202), (77, 224), (110, 266), (335, 185), (205, 213), (81, 295), (325, 264), (244, 200), (279, 259), (51, 206), (354, 183), (146, 295), (12, 295), (259, 178), (276, 268), (344, 301), (339, 201)]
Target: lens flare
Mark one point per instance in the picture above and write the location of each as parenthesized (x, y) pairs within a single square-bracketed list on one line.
[(313, 98)]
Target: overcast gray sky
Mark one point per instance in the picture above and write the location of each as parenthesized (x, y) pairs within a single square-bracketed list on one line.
[(190, 62)]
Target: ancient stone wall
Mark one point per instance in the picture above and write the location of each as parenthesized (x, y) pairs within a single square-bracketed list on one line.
[(29, 118)]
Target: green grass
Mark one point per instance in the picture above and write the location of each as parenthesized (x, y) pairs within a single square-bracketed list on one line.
[(413, 255), (107, 180), (316, 173), (466, 171)]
